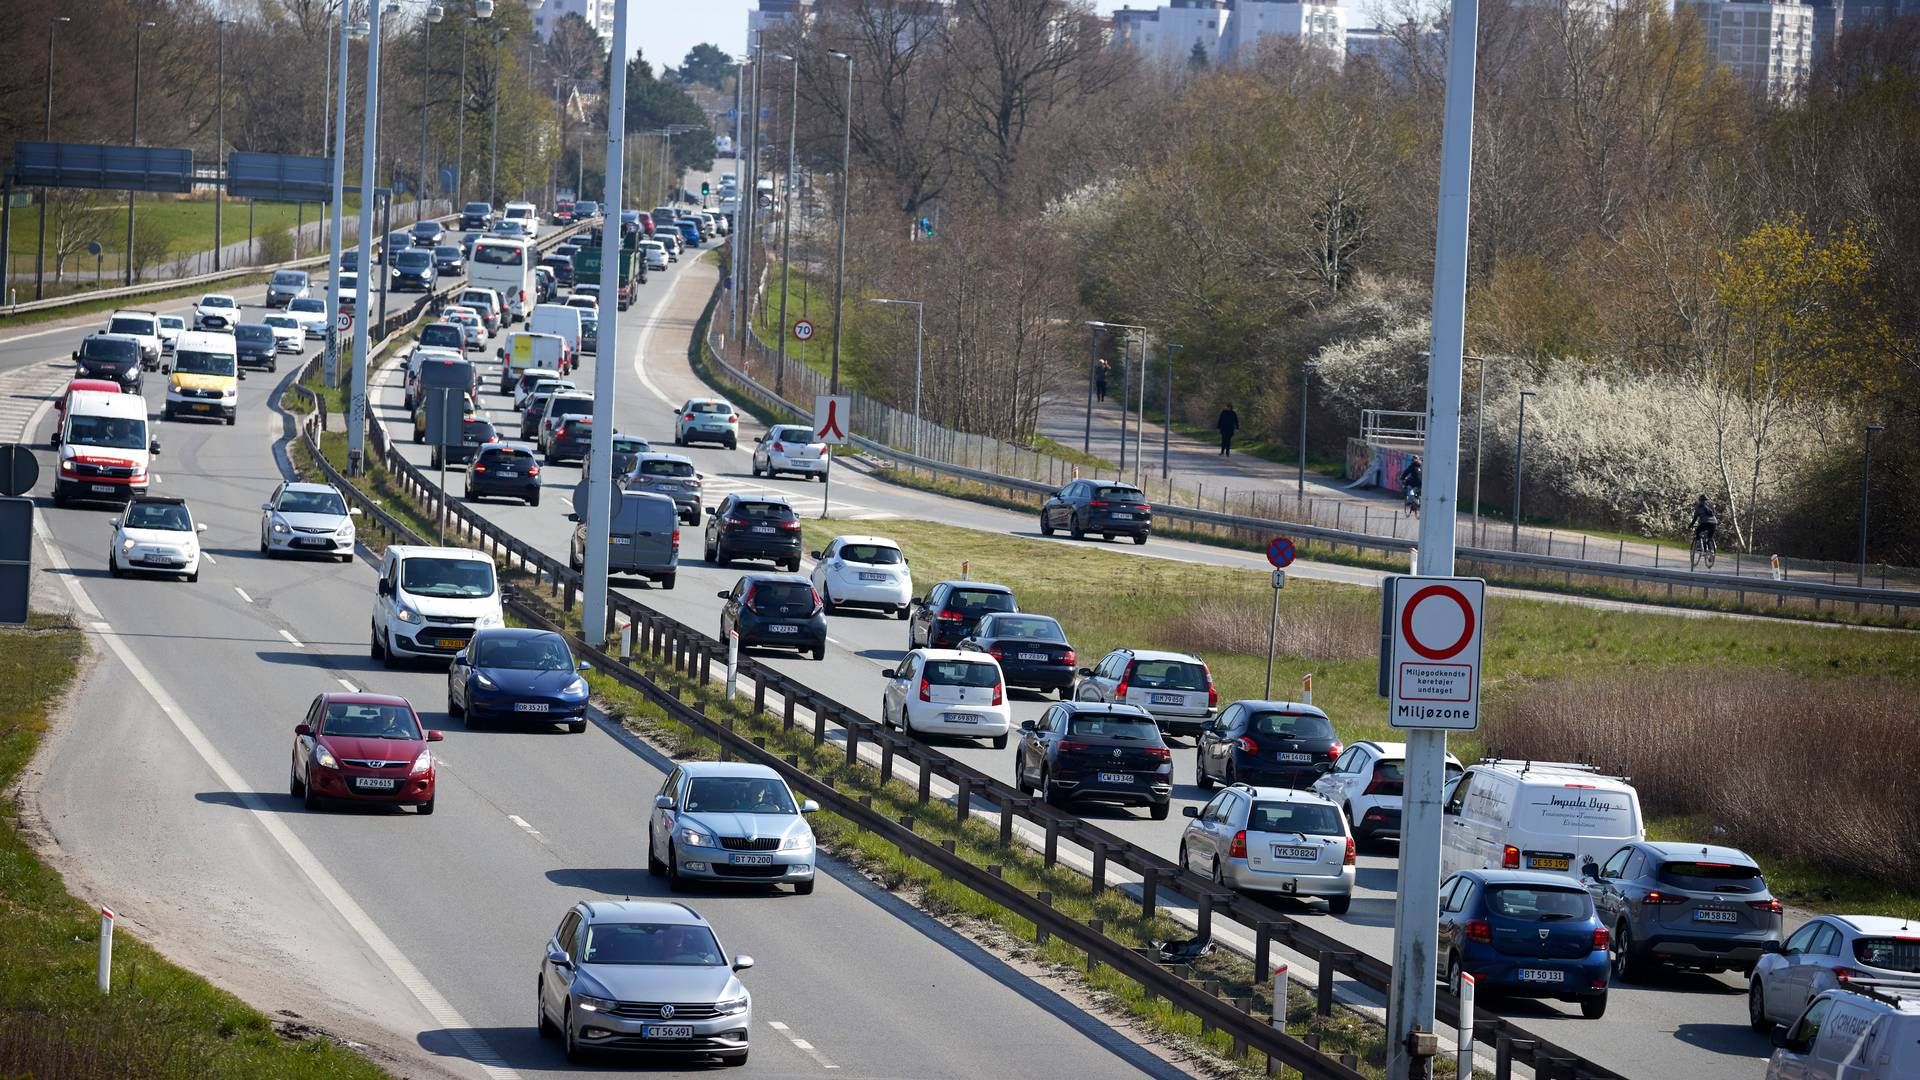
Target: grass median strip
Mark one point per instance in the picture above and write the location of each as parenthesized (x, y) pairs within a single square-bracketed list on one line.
[(159, 1021)]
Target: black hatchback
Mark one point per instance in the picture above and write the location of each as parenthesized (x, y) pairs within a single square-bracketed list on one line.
[(500, 470), (1032, 650), (754, 527), (427, 234), (1081, 750), (1281, 743), (474, 434), (562, 268), (952, 610), (255, 345), (775, 611), (1093, 506)]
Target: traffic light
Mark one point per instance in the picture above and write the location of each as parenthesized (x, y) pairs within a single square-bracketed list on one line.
[(705, 189)]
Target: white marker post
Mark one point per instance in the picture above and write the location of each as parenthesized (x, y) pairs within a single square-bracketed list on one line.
[(626, 635), (733, 663), (106, 949), (1280, 996), (831, 424), (1306, 688), (1465, 1033)]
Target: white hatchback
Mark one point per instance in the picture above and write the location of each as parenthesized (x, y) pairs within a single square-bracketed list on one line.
[(863, 571), (1366, 781), (307, 519), (948, 692), (155, 536), (1827, 953), (790, 448)]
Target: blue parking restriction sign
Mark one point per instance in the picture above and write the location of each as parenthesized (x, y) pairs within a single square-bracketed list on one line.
[(1280, 552)]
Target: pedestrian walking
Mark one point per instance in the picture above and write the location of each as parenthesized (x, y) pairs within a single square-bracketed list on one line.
[(1228, 424), (1100, 379)]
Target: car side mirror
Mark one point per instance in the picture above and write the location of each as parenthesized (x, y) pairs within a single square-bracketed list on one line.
[(1323, 767), (436, 736), (243, 376), (166, 369), (1028, 725), (460, 657), (1087, 671), (723, 594), (266, 506), (742, 962), (76, 356), (573, 517), (303, 729), (113, 523), (154, 448), (1780, 1040), (813, 555), (1590, 869), (1773, 946), (918, 601), (558, 958), (385, 588), (199, 528), (663, 802), (890, 673), (808, 806), (1190, 811), (353, 511)]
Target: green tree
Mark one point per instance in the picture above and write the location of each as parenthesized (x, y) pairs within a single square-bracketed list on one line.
[(706, 63), (1197, 59), (654, 103)]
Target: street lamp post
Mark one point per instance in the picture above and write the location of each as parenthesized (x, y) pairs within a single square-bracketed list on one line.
[(840, 265), (786, 226), (369, 143), (1519, 463), (40, 259), (1125, 371), (139, 28), (220, 130), (1866, 489), (749, 195), (434, 14), (735, 244), (1166, 429), (493, 137), (1479, 434), (337, 225), (919, 336), (599, 469), (460, 125), (1307, 368)]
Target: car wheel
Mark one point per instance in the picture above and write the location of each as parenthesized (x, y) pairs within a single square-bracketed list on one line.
[(1047, 791), (902, 612), (756, 468), (425, 807), (1361, 837), (540, 1022), (1595, 1007), (654, 865), (576, 727), (675, 883), (906, 720), (695, 519), (1200, 777), (720, 555), (273, 366), (793, 565), (820, 651), (1453, 974), (733, 444), (386, 654), (576, 1054), (374, 648), (308, 800), (800, 888), (1139, 538), (1757, 1007), (1020, 776), (294, 787), (453, 709), (1338, 905), (1161, 810), (113, 565), (1000, 742), (534, 499), (1219, 874), (666, 580), (740, 1058), (1627, 964), (1073, 528), (1046, 527)]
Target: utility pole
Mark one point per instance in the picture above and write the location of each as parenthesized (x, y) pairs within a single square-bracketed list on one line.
[(840, 264), (434, 14), (1866, 490), (460, 126), (369, 144), (493, 138), (750, 203), (786, 227), (220, 129), (736, 242), (1166, 430), (599, 508), (139, 29), (1519, 468), (40, 259), (336, 228), (1300, 488)]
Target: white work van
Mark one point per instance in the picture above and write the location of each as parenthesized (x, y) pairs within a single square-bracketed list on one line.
[(1549, 816), (430, 600), (526, 351), (560, 320), (526, 215), (1870, 1031), (105, 450)]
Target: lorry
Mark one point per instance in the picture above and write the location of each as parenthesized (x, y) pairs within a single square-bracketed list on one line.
[(587, 267)]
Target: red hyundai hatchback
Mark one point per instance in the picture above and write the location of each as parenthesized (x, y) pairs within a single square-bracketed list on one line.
[(362, 747)]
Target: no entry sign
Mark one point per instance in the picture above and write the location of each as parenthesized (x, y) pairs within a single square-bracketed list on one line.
[(1432, 641)]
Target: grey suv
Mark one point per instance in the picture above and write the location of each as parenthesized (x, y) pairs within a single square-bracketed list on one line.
[(672, 475), (642, 976), (1697, 906)]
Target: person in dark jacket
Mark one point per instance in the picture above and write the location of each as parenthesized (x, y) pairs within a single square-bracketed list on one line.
[(1228, 423), (1705, 522), (1100, 379), (1410, 478)]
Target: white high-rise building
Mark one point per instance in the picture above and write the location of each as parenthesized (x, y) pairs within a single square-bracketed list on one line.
[(1323, 25), (598, 13), (1169, 34), (1766, 42)]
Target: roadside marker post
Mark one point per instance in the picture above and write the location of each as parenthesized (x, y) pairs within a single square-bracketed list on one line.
[(1280, 996), (1464, 1036), (1280, 554), (1777, 575), (1306, 688), (733, 663), (106, 949), (626, 635)]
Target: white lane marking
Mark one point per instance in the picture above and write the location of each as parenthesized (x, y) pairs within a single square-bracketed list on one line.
[(291, 640), (528, 829), (438, 1007), (211, 562), (101, 628), (646, 335), (350, 688), (819, 1058), (243, 594)]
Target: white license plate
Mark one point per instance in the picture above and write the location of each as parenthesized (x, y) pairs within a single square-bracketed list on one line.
[(373, 783), (1714, 915), (530, 706), (1289, 755), (1282, 852), (1167, 699), (508, 474), (104, 489), (1039, 656), (752, 860), (763, 528), (1114, 778), (1541, 975), (873, 577), (959, 718), (667, 1031), (1122, 516), (784, 629)]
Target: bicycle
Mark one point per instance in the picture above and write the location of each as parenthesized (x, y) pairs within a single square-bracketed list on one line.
[(1702, 551), (1413, 502)]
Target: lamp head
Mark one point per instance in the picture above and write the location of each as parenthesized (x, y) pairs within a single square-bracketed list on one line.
[(483, 9), (435, 13)]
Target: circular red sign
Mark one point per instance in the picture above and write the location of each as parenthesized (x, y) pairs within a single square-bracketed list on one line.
[(1466, 618)]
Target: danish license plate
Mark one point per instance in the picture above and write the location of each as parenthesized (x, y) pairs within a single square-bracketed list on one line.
[(752, 860), (872, 577), (530, 706), (373, 783), (667, 1031), (1547, 862), (1289, 755), (450, 642), (1114, 778), (1714, 915), (508, 474), (1541, 975), (763, 528), (1036, 656), (959, 718), (1280, 851), (1123, 517), (1167, 699), (784, 629), (201, 406), (104, 489)]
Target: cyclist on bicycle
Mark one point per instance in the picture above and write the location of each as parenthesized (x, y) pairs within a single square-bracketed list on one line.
[(1410, 481), (1706, 523)]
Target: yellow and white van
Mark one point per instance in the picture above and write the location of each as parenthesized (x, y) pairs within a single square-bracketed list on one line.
[(204, 378)]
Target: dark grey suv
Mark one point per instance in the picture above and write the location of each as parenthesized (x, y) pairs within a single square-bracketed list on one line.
[(1696, 906)]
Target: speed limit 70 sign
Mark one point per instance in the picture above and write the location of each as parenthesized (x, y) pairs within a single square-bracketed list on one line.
[(1430, 651)]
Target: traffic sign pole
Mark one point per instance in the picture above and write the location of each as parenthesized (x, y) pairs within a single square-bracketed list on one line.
[(599, 478), (1280, 555)]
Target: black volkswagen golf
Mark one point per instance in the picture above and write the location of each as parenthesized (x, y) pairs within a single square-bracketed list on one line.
[(775, 611)]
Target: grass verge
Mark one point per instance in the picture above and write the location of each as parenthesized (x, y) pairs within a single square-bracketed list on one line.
[(92, 307), (160, 1020)]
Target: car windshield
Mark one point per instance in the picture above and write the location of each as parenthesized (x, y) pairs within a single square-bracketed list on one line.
[(1167, 675), (413, 259), (1538, 904), (763, 511), (505, 455), (669, 944), (519, 211), (775, 594), (371, 721), (254, 334), (1713, 877), (190, 362), (1115, 727), (739, 795), (444, 336), (1312, 819), (349, 282), (216, 301), (308, 304), (104, 350), (476, 431), (1889, 953), (626, 444), (282, 322), (312, 502), (544, 653), (478, 208), (791, 434), (447, 251), (666, 468), (1026, 628), (463, 578), (138, 326), (500, 255), (1119, 494), (872, 554), (960, 673), (175, 322), (977, 601), (1290, 726), (289, 277), (111, 432), (170, 517)]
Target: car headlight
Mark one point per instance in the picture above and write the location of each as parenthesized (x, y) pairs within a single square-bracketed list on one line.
[(577, 686), (280, 526), (484, 682), (730, 1006), (407, 615), (594, 1004), (421, 764), (126, 546), (324, 758), (696, 836), (230, 392), (798, 842), (345, 531)]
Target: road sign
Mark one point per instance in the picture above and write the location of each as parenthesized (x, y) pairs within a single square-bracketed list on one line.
[(16, 559), (343, 322), (830, 419), (803, 330), (19, 469), (1280, 553), (1432, 639)]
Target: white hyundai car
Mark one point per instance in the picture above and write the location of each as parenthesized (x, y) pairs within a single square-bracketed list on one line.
[(307, 519), (155, 536), (216, 311), (790, 448), (948, 692), (863, 571)]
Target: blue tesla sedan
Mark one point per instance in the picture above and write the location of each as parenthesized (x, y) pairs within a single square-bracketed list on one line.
[(517, 674)]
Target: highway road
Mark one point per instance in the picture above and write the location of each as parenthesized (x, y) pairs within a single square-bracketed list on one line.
[(167, 798), (1690, 1025)]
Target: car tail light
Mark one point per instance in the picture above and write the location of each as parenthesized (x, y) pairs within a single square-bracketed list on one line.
[(1478, 930), (925, 691), (1098, 504), (747, 600), (1247, 744), (1657, 897), (738, 523), (1510, 857), (732, 419), (779, 448), (1213, 695), (1772, 906), (1071, 746), (676, 538), (1353, 854), (996, 653), (1601, 939), (817, 605), (1159, 753), (1238, 848), (533, 470), (1120, 691), (1069, 658), (479, 468), (1845, 974), (999, 693), (952, 616), (1333, 752), (1377, 785), (823, 449), (689, 416), (791, 526)]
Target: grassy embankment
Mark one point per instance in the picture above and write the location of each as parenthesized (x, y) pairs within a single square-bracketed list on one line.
[(160, 1021)]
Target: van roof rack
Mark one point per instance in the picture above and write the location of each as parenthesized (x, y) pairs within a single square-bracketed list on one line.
[(1891, 991), (1525, 765)]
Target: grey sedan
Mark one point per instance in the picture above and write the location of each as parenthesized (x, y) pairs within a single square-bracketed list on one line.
[(730, 822)]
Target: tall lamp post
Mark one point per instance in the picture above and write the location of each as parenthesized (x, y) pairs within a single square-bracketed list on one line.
[(1519, 466), (336, 228), (40, 259), (434, 14), (919, 336), (786, 225), (736, 243), (1166, 429), (493, 136), (599, 469), (1866, 489), (1307, 368), (139, 28), (840, 263), (220, 128)]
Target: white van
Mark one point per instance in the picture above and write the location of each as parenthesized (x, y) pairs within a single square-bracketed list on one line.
[(524, 351), (562, 321), (1549, 816), (505, 265), (105, 449), (1868, 1033), (430, 600), (527, 216)]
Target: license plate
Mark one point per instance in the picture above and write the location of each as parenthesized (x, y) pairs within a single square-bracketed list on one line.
[(873, 577), (763, 528), (752, 860), (784, 629), (619, 540), (1288, 755), (1039, 656), (959, 718), (1714, 915), (451, 642), (1281, 851), (1122, 516), (508, 474), (104, 489), (530, 706), (1547, 862), (154, 560), (201, 406), (373, 783), (1167, 699), (1541, 975), (1114, 778), (667, 1031)]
